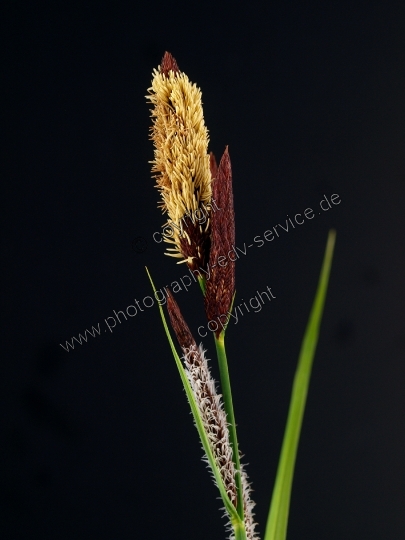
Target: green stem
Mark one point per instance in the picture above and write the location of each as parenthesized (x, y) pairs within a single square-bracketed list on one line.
[(276, 528), (240, 532), (228, 404)]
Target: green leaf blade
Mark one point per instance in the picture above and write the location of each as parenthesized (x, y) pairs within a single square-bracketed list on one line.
[(276, 528)]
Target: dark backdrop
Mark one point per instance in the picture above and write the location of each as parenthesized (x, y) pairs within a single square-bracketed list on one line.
[(98, 442)]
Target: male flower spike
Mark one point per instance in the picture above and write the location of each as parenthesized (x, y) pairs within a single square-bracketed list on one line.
[(181, 163)]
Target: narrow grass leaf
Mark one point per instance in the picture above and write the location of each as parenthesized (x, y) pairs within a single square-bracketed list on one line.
[(276, 528)]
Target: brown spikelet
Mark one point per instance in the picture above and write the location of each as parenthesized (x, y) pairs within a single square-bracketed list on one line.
[(168, 64), (180, 327), (220, 286)]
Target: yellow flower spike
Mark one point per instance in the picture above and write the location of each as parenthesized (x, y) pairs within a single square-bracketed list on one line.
[(181, 164)]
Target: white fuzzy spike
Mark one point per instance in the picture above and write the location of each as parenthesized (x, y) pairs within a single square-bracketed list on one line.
[(215, 424)]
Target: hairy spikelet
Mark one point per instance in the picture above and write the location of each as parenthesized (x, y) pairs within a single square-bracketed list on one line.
[(181, 162), (208, 400), (212, 414), (248, 506)]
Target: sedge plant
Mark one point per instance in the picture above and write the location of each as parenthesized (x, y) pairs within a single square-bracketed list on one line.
[(197, 198)]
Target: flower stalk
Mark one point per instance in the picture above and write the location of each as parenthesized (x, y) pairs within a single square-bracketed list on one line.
[(190, 183)]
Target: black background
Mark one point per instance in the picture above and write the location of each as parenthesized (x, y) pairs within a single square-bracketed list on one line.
[(98, 442)]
